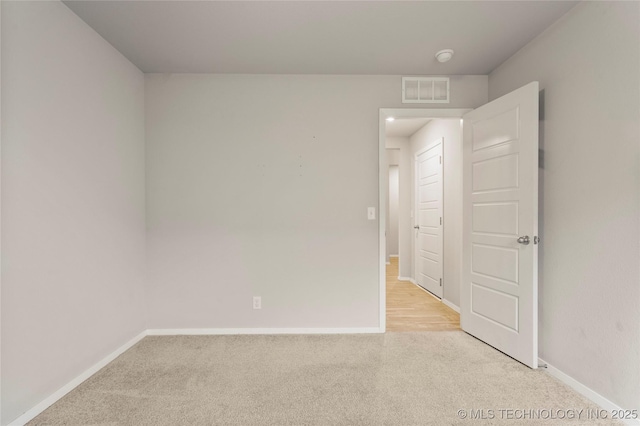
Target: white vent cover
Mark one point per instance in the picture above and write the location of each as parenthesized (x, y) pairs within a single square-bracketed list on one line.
[(425, 90)]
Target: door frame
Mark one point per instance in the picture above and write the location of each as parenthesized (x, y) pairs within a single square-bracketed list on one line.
[(382, 196)]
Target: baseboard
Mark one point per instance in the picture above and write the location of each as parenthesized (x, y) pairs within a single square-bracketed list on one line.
[(411, 280), (39, 408), (394, 255), (232, 331), (451, 305), (586, 391), (388, 263), (53, 398)]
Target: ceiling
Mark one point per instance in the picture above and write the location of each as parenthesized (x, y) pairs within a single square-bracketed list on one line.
[(318, 37), (404, 127)]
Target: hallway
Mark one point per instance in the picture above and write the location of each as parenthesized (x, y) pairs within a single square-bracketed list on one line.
[(410, 308)]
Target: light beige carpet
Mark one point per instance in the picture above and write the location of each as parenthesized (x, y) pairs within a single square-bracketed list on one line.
[(392, 379)]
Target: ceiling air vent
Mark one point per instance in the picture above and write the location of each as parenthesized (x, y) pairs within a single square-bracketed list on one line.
[(425, 90)]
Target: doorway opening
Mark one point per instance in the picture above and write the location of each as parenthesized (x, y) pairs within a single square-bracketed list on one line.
[(421, 218)]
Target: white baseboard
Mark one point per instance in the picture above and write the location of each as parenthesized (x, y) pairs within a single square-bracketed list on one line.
[(39, 408), (388, 263), (411, 280), (586, 391), (53, 398), (451, 305), (232, 331), (394, 255)]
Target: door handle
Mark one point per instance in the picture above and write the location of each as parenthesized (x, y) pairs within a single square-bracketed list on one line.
[(524, 240), (416, 227)]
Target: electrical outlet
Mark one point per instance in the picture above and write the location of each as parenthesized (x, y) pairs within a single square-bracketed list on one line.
[(257, 302)]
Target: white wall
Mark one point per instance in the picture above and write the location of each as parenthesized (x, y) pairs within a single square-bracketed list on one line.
[(394, 200), (72, 201), (588, 65), (450, 130), (405, 234), (247, 197)]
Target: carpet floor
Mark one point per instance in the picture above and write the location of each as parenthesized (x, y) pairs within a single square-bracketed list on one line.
[(421, 378)]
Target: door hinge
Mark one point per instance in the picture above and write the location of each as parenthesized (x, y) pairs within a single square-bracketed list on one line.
[(440, 220), (536, 240), (440, 282)]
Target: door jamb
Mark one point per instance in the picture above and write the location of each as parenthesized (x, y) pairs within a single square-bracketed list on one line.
[(382, 196)]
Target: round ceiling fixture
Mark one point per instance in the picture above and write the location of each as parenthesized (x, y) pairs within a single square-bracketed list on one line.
[(390, 119), (444, 55)]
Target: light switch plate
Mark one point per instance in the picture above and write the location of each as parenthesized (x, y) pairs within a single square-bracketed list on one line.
[(371, 213)]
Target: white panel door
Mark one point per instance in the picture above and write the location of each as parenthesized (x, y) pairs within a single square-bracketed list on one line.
[(428, 214), (499, 294)]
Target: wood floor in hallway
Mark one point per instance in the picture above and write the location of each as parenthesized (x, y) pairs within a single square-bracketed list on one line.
[(409, 308)]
